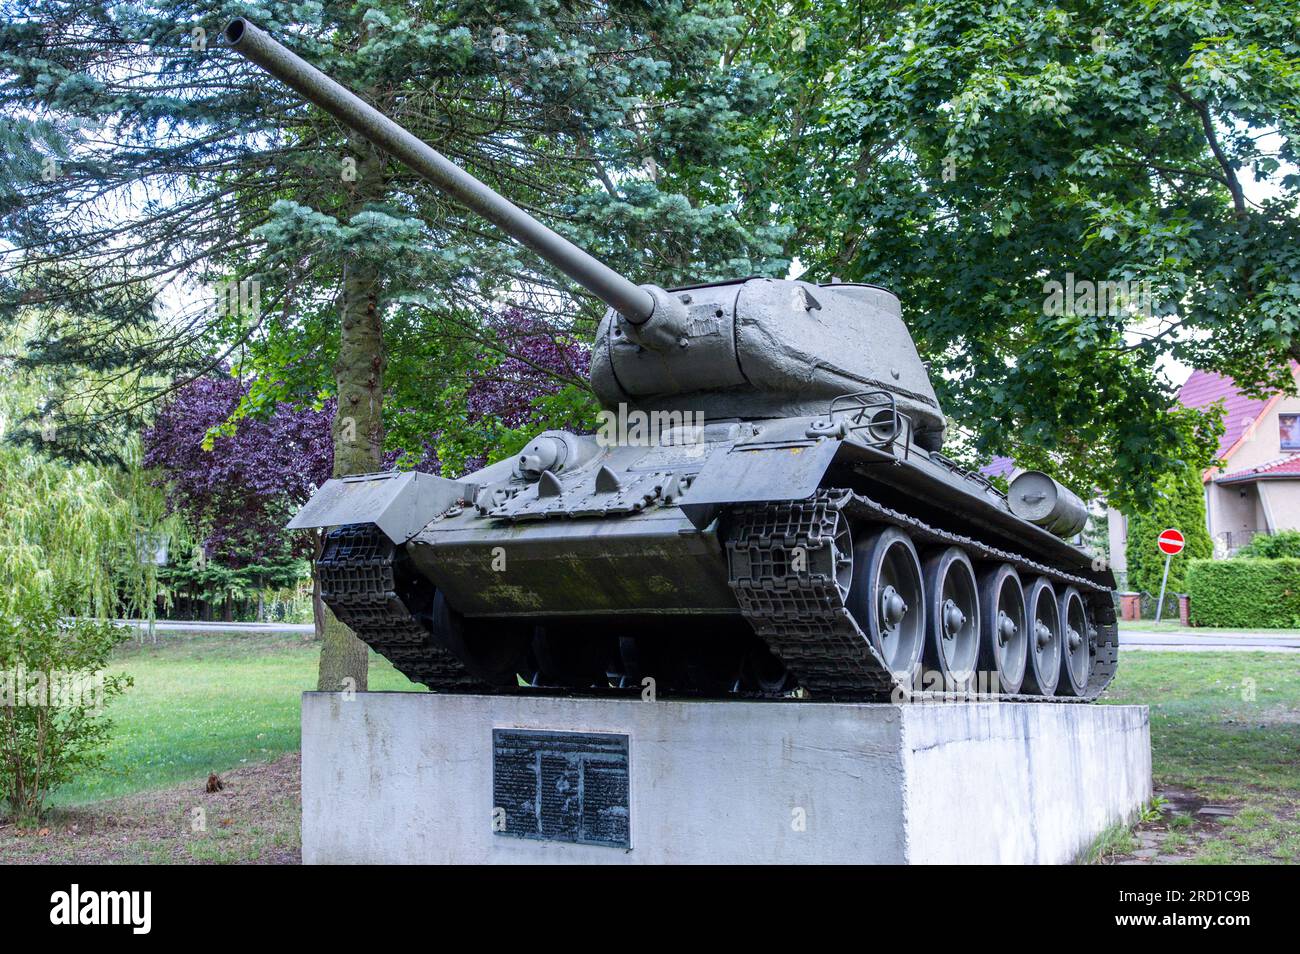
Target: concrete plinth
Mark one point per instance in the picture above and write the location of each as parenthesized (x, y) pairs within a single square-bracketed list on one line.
[(409, 778)]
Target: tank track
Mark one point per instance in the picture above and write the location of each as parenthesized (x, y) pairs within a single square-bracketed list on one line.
[(360, 580), (802, 616)]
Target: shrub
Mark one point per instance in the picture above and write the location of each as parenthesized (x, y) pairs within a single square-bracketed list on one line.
[(1245, 592), (53, 688), (1285, 543), (1179, 502)]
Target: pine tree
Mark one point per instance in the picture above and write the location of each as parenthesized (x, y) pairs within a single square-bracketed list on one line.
[(188, 212)]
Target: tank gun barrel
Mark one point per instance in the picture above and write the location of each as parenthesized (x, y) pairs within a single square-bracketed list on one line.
[(634, 302)]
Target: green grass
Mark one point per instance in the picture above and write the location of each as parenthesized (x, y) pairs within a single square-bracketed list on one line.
[(1227, 727), (1115, 840), (206, 702)]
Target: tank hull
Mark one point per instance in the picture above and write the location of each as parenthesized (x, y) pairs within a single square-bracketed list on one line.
[(696, 544)]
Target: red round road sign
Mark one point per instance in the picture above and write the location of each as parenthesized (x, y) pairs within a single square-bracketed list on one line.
[(1170, 541)]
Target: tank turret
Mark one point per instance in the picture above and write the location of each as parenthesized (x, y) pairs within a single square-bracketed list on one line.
[(767, 510)]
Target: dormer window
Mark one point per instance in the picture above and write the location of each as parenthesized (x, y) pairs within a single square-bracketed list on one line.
[(1288, 427)]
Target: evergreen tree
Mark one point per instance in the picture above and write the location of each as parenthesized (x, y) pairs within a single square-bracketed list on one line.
[(147, 170), (1179, 502)]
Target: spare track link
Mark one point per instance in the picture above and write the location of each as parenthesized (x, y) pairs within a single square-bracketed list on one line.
[(802, 615), (362, 583)]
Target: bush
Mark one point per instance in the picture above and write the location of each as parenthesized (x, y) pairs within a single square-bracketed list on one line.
[(53, 689), (1179, 502), (1245, 592), (1285, 543)]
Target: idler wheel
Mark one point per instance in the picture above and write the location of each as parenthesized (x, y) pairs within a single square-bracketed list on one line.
[(763, 671), (1076, 644), (1044, 669), (888, 601), (953, 611), (1004, 646)]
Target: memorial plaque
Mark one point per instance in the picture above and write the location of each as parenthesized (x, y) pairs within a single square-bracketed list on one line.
[(561, 786)]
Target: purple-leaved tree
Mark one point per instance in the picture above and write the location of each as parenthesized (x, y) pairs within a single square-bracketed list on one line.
[(239, 488), (239, 491), (538, 363)]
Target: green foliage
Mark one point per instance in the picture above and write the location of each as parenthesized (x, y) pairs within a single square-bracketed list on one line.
[(53, 691), (71, 533), (1245, 592), (967, 154), (614, 122), (1178, 502), (1285, 543), (196, 578), (571, 408)]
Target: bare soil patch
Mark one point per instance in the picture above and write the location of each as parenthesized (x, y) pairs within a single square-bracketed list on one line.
[(253, 818)]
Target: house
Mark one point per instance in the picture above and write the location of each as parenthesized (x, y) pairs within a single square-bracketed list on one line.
[(1255, 488)]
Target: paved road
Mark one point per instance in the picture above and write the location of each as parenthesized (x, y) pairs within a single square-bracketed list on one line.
[(1128, 638), (165, 625), (1208, 642)]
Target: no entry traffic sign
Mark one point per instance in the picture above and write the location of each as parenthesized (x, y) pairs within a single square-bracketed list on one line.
[(1171, 541)]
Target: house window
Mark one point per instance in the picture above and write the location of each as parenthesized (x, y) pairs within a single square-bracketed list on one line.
[(1288, 426)]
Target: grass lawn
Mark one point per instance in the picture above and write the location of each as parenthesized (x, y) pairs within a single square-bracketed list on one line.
[(1225, 730), (207, 702)]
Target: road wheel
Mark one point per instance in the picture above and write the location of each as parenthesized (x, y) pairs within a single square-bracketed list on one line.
[(953, 612), (887, 599), (1044, 669), (1004, 645)]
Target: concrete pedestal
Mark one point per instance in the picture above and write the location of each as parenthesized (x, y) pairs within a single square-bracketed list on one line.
[(409, 778)]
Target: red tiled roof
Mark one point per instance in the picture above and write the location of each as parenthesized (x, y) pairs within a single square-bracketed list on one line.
[(1203, 388), (1282, 467)]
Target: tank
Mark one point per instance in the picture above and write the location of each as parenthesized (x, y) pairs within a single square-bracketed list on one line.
[(764, 510)]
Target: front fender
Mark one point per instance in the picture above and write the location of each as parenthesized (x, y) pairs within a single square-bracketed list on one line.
[(400, 503)]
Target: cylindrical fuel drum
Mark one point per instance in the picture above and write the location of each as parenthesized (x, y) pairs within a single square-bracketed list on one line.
[(1039, 499)]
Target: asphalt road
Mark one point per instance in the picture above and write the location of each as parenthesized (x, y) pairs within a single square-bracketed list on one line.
[(1208, 642), (190, 626), (1128, 638)]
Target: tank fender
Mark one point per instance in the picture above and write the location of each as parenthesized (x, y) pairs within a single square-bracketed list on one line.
[(400, 503), (757, 472)]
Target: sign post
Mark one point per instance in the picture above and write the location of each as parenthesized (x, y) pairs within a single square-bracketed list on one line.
[(1170, 541)]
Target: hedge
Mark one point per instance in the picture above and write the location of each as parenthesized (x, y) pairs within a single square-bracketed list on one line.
[(1245, 592), (1272, 546)]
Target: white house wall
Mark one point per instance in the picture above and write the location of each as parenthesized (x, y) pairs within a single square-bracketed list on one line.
[(1282, 500)]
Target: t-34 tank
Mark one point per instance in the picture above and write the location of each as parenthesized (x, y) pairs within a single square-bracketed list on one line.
[(764, 508)]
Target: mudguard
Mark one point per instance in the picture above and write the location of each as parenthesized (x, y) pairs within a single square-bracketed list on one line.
[(756, 473), (400, 503)]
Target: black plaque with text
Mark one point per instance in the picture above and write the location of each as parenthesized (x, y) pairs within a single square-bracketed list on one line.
[(561, 786)]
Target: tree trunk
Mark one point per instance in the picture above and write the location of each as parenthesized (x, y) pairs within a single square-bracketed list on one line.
[(358, 423)]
